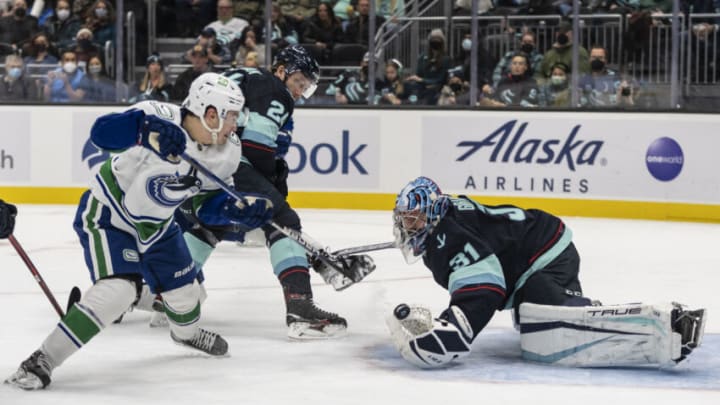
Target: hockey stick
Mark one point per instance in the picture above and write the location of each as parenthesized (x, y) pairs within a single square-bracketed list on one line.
[(36, 274), (307, 243), (364, 248)]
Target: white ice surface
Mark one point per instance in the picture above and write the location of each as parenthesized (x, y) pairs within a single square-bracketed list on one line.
[(622, 261)]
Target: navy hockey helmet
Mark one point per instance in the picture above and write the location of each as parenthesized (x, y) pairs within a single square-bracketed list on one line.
[(295, 58), (418, 208)]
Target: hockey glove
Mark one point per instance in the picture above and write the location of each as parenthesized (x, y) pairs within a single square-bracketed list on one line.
[(284, 139), (249, 213), (429, 343), (355, 267), (7, 219), (163, 137), (281, 175)]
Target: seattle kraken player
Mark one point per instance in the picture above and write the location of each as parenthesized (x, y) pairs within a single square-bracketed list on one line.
[(491, 258), (125, 221), (266, 136)]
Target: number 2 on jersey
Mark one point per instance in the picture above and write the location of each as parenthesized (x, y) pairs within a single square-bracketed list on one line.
[(277, 113)]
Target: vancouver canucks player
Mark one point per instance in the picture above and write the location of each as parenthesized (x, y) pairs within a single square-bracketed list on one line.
[(491, 258), (125, 221), (266, 137)]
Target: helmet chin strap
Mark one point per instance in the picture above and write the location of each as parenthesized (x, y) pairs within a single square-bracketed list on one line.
[(214, 133)]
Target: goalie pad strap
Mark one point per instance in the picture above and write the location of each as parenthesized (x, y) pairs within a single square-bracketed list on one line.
[(615, 335)]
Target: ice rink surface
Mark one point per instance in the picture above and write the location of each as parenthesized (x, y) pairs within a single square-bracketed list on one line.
[(622, 261)]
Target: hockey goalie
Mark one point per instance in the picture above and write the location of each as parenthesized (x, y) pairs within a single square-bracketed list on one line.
[(492, 258)]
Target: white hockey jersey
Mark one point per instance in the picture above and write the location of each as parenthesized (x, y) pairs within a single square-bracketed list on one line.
[(143, 190)]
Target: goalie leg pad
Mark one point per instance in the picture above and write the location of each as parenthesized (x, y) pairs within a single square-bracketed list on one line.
[(601, 336), (428, 343)]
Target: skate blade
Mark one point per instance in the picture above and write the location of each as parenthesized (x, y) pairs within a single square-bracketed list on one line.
[(25, 381), (305, 331)]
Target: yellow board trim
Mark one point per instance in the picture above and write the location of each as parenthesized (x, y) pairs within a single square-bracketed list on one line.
[(378, 201)]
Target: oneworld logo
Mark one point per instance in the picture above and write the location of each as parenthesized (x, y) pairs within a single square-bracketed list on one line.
[(326, 158), (508, 144), (664, 159)]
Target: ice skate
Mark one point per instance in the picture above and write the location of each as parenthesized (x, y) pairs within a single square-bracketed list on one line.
[(690, 324), (306, 321), (205, 341), (33, 374)]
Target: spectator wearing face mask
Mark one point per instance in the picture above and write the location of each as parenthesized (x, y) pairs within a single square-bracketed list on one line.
[(39, 51), (604, 87), (18, 26), (456, 91), (85, 47), (100, 19), (556, 91), (16, 85), (561, 52), (432, 69), (527, 45), (63, 26), (485, 65), (67, 83), (100, 89)]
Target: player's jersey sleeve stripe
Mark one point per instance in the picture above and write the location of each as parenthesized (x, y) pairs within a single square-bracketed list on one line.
[(541, 262), (485, 271)]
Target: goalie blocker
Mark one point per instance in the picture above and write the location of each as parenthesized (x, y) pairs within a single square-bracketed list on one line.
[(608, 336)]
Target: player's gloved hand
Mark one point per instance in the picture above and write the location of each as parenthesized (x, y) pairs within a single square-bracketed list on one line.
[(162, 137), (281, 175), (284, 139), (355, 268), (7, 219), (249, 213)]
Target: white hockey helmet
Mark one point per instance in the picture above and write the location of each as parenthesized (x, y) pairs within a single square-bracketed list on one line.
[(214, 90)]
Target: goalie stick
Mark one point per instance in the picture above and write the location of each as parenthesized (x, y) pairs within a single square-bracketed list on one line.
[(310, 245), (75, 293)]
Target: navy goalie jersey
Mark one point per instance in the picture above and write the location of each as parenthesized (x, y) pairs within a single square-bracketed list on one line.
[(483, 254), (270, 106)]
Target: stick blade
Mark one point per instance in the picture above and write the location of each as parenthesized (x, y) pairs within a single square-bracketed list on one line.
[(75, 295)]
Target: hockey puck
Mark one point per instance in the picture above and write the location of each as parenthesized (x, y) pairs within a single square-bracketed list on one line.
[(401, 311)]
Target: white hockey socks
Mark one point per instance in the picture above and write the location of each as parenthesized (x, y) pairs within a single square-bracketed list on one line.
[(182, 307), (602, 336), (100, 306)]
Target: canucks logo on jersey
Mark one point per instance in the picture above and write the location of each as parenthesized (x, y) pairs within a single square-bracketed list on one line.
[(171, 190)]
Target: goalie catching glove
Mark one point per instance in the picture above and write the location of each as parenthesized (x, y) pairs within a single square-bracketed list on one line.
[(427, 342), (355, 268)]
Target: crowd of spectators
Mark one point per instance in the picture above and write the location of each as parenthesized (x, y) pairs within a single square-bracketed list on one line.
[(54, 51)]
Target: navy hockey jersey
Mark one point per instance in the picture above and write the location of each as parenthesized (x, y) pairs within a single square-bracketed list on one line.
[(483, 254), (270, 105)]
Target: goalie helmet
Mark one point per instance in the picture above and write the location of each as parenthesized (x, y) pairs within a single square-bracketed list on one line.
[(418, 208), (295, 58), (214, 90)]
